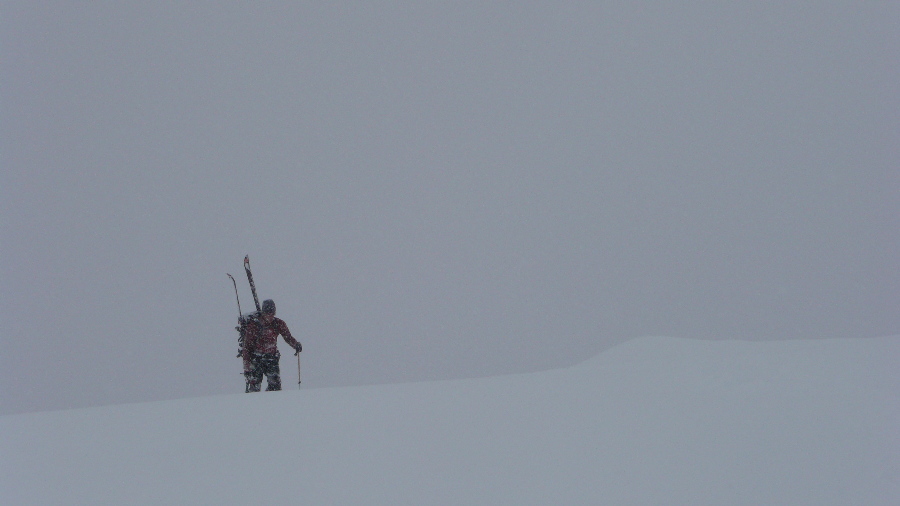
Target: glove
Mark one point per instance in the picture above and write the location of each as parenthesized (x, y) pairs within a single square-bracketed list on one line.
[(298, 348)]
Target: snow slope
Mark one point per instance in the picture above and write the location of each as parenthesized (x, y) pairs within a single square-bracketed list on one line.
[(656, 421)]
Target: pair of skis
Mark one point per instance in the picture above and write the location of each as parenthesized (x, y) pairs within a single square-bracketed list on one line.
[(244, 319)]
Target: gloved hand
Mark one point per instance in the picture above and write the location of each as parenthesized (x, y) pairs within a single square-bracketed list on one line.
[(298, 348)]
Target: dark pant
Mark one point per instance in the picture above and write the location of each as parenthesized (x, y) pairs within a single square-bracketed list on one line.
[(260, 364)]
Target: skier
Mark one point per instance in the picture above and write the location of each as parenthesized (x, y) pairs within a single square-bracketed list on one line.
[(260, 350)]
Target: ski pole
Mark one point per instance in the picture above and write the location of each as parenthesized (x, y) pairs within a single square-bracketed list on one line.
[(298, 369)]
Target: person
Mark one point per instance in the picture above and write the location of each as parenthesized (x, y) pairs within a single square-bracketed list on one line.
[(260, 351)]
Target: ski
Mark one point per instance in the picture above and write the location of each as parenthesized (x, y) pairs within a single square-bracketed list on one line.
[(240, 327), (236, 295), (252, 284)]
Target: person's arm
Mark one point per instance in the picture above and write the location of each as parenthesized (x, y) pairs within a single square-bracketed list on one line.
[(288, 338)]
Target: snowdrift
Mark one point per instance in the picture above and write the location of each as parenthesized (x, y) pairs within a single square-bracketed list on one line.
[(654, 421)]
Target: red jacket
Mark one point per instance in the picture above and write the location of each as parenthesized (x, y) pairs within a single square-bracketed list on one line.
[(262, 338)]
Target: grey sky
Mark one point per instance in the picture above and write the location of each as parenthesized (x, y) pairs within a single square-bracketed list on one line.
[(435, 190)]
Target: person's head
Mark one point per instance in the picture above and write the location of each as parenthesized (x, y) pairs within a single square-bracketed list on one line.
[(268, 309)]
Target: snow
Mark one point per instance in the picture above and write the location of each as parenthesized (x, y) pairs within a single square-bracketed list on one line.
[(653, 421)]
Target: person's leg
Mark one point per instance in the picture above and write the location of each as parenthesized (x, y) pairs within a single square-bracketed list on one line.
[(254, 375), (273, 373)]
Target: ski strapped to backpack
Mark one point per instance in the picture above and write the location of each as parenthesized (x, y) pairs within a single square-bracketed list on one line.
[(240, 326), (252, 284)]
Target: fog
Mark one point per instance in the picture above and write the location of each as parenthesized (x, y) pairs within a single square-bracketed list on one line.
[(434, 191)]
